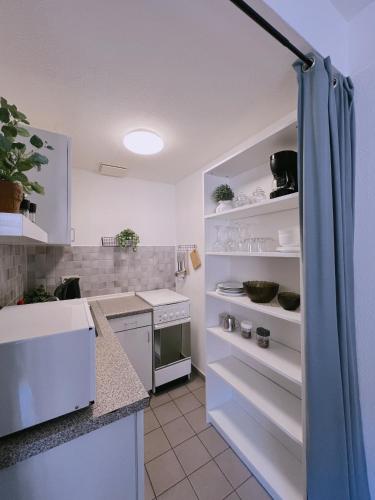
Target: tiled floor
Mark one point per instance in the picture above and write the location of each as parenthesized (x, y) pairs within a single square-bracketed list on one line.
[(186, 459)]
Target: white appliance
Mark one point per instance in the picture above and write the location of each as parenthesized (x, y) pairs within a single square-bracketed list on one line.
[(47, 362), (171, 335)]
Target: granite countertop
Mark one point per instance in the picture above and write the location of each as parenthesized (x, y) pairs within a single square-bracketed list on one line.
[(119, 392)]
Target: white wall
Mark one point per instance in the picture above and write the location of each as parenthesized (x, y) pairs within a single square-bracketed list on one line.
[(103, 206), (362, 63)]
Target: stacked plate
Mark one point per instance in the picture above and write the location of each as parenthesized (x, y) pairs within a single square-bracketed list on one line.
[(230, 289)]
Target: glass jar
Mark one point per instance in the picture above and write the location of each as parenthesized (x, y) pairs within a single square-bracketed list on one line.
[(32, 212), (246, 327), (24, 207), (263, 337)]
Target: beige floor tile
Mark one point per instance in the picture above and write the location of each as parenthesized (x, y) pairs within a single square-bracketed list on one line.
[(210, 483), (166, 413), (148, 409), (178, 391), (178, 431), (187, 403), (252, 490), (195, 383), (234, 470), (165, 471), (212, 440), (149, 492), (150, 422), (200, 394), (197, 419), (159, 399), (182, 491), (192, 455), (155, 444)]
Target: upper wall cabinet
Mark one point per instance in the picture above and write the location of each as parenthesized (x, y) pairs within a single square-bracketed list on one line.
[(53, 208)]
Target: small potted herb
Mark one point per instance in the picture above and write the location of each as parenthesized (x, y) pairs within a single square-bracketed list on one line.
[(128, 238), (15, 159), (223, 195)]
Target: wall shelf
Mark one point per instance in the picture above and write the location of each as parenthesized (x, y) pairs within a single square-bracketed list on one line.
[(281, 204), (18, 229), (274, 403), (271, 309), (284, 255), (272, 463), (278, 358)]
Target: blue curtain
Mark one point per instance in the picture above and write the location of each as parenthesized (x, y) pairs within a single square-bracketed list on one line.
[(336, 465)]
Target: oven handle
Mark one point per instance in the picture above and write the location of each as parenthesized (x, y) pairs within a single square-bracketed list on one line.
[(177, 322)]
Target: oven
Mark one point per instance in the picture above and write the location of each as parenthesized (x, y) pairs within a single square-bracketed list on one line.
[(171, 342)]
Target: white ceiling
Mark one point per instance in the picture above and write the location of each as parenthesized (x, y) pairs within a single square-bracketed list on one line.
[(198, 72), (350, 8)]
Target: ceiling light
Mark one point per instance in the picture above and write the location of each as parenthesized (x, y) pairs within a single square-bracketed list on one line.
[(143, 142)]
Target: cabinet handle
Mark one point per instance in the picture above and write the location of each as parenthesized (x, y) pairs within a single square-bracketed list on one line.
[(148, 336), (73, 234)]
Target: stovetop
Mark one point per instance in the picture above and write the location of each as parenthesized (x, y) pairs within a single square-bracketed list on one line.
[(161, 297)]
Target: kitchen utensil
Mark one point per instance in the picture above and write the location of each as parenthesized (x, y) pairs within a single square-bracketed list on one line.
[(284, 169), (195, 259), (289, 301), (229, 323), (261, 291)]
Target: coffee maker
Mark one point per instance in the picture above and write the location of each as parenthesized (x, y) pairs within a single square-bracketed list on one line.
[(284, 169)]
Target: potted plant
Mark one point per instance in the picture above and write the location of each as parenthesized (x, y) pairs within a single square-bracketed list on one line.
[(128, 238), (223, 195), (16, 159)]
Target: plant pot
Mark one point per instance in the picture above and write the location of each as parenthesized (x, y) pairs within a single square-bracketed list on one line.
[(11, 194), (223, 206)]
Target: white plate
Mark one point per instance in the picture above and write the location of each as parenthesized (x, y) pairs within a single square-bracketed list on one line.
[(230, 285), (239, 294)]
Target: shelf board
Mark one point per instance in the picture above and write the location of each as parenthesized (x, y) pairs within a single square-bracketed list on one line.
[(273, 464), (18, 229), (281, 204), (296, 255), (277, 405), (271, 309), (278, 358)]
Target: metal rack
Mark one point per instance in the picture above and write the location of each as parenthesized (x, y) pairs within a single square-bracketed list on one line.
[(111, 241), (186, 248)]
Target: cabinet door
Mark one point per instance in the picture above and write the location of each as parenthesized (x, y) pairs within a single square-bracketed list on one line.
[(137, 344), (53, 208)]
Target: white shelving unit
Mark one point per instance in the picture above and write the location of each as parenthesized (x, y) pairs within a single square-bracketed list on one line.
[(295, 255), (18, 229), (255, 396)]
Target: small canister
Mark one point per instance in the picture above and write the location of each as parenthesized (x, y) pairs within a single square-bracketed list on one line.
[(24, 207), (32, 212), (246, 327), (263, 337)]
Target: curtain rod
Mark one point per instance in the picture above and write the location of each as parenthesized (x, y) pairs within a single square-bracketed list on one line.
[(242, 5)]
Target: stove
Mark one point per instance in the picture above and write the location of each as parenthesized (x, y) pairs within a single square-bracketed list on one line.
[(171, 335)]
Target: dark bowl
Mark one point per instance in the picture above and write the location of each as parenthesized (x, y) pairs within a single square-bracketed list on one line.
[(261, 291), (289, 300)]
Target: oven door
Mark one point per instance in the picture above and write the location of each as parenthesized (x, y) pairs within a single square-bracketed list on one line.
[(171, 343)]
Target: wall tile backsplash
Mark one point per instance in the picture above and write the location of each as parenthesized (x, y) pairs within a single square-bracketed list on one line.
[(13, 260), (102, 270)]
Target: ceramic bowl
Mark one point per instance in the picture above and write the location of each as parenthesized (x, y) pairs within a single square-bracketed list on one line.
[(289, 300), (261, 291)]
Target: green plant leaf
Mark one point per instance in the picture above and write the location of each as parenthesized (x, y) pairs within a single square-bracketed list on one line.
[(4, 115), (9, 130), (35, 186), (36, 141), (23, 132), (38, 159), (3, 102), (50, 147), (19, 145), (20, 177), (5, 144), (25, 164)]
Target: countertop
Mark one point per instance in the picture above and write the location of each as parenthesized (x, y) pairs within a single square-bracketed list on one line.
[(119, 391)]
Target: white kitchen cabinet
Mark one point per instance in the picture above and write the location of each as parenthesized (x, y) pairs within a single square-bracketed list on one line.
[(137, 343), (53, 208)]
